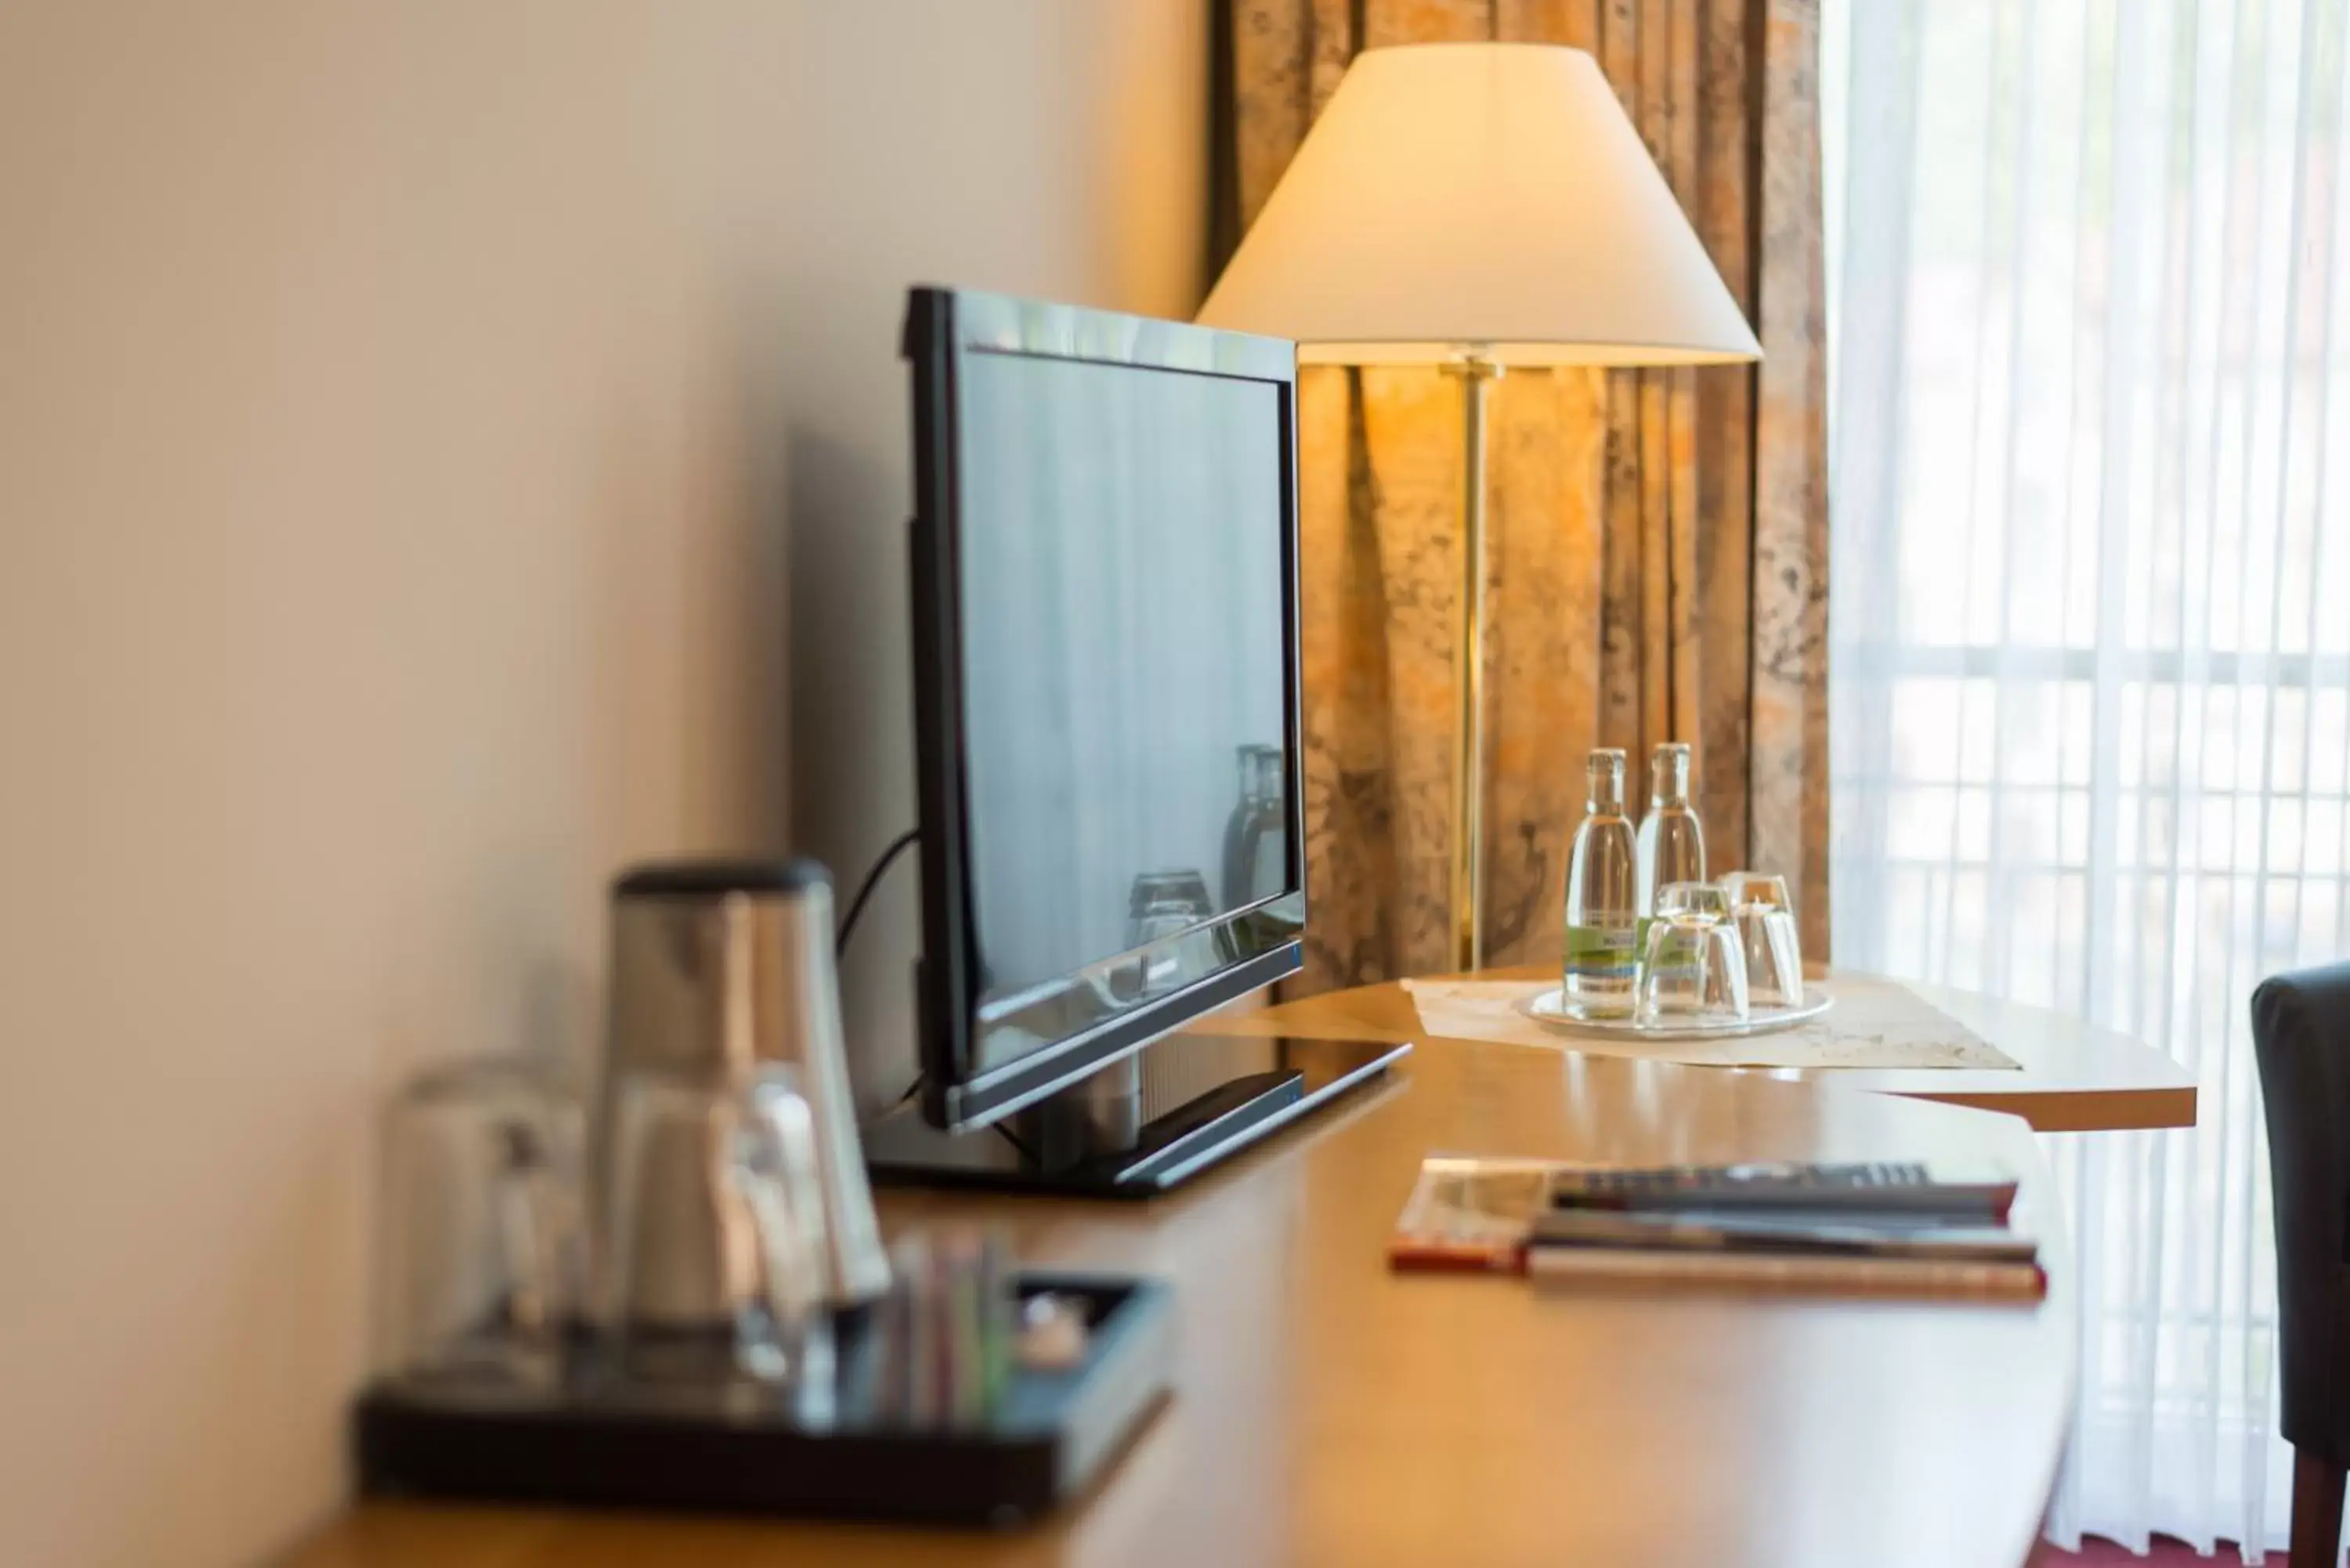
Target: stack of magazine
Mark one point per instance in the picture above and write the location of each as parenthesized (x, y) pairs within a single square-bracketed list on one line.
[(1924, 1229)]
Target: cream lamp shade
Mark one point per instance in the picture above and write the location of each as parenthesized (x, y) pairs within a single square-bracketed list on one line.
[(1478, 200)]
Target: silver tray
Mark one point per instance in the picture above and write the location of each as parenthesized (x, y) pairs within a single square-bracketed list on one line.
[(1549, 1009)]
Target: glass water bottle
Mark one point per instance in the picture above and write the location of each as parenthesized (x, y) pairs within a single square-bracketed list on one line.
[(1602, 913), (1672, 845)]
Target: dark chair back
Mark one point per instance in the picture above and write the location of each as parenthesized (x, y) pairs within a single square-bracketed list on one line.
[(2301, 1034)]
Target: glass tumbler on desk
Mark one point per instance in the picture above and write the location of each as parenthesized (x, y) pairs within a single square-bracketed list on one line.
[(482, 1225), (1758, 887), (1708, 900), (1691, 971), (1767, 934), (714, 1268)]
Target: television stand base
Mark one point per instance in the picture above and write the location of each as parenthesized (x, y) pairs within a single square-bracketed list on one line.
[(1139, 1126)]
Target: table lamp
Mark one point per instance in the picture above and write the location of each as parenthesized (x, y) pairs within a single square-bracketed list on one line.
[(1477, 206)]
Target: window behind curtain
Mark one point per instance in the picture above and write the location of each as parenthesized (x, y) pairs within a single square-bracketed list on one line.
[(2089, 284)]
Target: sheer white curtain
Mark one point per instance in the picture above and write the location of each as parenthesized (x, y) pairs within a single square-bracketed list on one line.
[(2089, 274)]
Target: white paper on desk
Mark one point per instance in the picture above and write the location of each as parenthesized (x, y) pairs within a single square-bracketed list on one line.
[(1874, 1024)]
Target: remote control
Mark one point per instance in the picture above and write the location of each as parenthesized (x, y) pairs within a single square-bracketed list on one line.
[(1955, 1192)]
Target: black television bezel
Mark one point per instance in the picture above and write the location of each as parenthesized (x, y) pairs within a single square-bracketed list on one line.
[(942, 327)]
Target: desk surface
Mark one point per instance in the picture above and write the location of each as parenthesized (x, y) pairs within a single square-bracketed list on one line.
[(2076, 1078), (1330, 1412)]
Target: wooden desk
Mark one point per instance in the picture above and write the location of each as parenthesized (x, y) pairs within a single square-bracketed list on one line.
[(1328, 1412), (2076, 1077)]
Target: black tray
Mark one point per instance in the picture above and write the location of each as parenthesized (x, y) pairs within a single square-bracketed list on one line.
[(688, 1448)]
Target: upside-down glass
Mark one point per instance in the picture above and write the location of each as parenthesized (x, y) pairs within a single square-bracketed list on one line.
[(1691, 969), (1705, 899), (715, 1266), (1767, 934), (1757, 888), (482, 1224)]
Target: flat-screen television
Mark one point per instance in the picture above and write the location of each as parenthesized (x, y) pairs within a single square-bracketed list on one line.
[(1106, 688)]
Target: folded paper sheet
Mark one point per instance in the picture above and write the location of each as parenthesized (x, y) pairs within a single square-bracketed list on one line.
[(1874, 1024)]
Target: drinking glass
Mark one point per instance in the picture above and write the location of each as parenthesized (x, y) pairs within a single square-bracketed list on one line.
[(483, 1227), (1691, 968), (1765, 919), (1758, 887), (1704, 899), (716, 1262)]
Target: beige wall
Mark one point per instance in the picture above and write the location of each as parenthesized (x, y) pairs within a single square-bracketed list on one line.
[(447, 449)]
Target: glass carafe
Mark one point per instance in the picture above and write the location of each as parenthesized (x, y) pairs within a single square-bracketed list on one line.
[(1671, 844), (1602, 913)]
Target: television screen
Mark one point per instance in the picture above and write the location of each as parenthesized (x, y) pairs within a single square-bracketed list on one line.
[(1124, 660)]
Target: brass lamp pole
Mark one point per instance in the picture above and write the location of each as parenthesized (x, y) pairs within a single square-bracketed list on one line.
[(1477, 375)]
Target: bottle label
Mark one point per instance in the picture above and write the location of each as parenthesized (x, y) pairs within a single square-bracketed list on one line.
[(1600, 952)]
